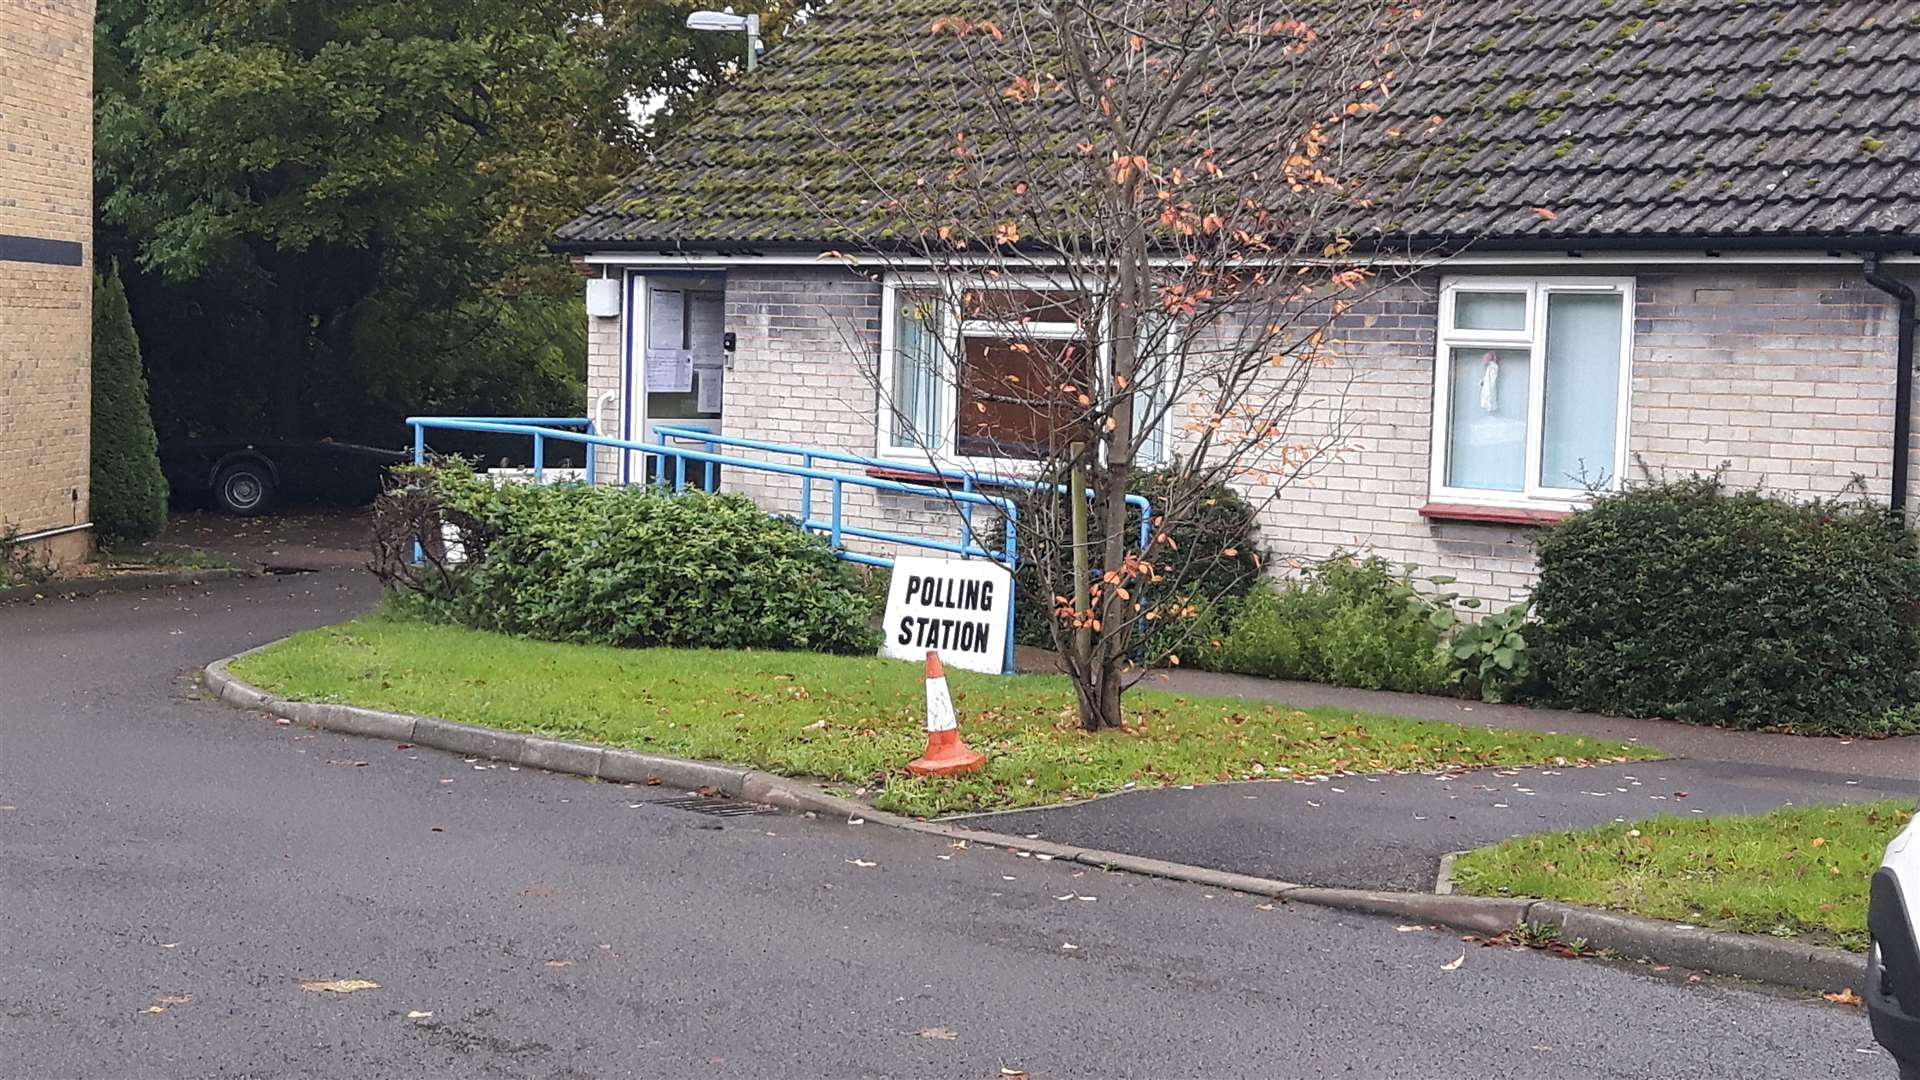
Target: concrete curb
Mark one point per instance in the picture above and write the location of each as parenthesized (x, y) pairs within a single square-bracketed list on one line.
[(78, 587), (1744, 956), (1749, 956), (1443, 880)]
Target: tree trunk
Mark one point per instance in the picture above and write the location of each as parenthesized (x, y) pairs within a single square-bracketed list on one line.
[(1097, 693), (1099, 680)]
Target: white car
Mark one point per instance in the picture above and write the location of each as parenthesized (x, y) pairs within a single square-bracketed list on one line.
[(1893, 956)]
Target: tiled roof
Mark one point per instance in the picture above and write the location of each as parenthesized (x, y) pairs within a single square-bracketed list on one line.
[(1654, 121)]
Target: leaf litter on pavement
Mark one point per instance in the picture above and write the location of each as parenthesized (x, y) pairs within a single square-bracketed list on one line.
[(338, 986)]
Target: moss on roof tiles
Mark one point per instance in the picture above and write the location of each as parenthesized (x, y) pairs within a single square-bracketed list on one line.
[(860, 91)]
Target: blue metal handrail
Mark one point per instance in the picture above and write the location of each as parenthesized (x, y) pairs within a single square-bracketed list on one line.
[(836, 529), (967, 481), (539, 439)]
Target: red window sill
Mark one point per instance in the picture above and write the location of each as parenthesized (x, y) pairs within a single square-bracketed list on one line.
[(912, 476), (1491, 515)]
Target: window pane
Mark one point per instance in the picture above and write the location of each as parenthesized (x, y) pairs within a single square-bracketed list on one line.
[(1158, 339), (1583, 390), (1023, 305), (1490, 310), (1487, 419), (916, 387), (1010, 402)]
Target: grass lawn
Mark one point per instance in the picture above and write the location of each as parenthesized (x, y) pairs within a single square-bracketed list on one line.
[(1797, 872), (857, 721)]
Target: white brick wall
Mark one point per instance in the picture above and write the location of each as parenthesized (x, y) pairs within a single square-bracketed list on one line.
[(1786, 374)]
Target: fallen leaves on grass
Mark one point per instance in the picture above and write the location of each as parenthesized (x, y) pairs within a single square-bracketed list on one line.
[(338, 986)]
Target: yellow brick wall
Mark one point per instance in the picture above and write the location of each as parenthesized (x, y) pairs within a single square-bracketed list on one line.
[(46, 194)]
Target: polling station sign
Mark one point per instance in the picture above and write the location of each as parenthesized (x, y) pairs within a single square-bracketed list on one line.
[(956, 607)]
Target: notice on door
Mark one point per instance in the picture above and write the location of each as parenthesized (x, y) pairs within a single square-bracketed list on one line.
[(955, 607)]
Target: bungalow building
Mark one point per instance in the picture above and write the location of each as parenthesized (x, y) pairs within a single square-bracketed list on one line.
[(1682, 234), (46, 288)]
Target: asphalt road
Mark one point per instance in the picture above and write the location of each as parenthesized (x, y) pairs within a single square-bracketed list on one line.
[(161, 852), (1390, 832)]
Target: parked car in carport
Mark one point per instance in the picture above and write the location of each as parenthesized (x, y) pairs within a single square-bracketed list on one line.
[(248, 476)]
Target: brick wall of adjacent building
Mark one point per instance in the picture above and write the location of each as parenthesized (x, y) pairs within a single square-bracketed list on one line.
[(46, 194), (1786, 375)]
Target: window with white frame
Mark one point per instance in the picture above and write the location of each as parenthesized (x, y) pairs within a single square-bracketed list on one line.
[(979, 375), (1530, 389)]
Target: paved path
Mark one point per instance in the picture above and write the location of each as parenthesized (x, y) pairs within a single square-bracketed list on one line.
[(1895, 759), (156, 848), (1391, 831)]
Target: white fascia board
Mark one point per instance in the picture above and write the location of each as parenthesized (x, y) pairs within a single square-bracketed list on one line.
[(1489, 259)]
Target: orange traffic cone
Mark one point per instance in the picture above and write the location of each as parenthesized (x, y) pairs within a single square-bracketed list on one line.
[(946, 755)]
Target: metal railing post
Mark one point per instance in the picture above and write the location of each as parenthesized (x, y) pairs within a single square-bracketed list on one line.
[(806, 491), (837, 486), (1013, 586), (679, 473), (966, 514), (709, 486), (539, 457), (419, 458)]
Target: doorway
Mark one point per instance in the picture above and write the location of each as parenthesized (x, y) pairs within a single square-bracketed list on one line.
[(676, 366)]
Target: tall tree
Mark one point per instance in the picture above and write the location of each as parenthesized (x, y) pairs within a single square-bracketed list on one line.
[(1142, 229), (128, 491), (360, 189)]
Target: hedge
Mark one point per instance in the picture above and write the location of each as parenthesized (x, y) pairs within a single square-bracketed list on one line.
[(629, 566), (1685, 600), (1215, 561)]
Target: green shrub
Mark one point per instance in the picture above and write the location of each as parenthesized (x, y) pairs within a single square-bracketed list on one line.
[(1491, 658), (129, 493), (1348, 621), (622, 566), (1215, 561), (1685, 600)]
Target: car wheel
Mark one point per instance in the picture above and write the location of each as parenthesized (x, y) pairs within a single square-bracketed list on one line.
[(244, 488)]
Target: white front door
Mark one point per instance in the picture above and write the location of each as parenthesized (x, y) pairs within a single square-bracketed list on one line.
[(676, 366)]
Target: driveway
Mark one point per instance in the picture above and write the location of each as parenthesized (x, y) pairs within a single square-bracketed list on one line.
[(174, 870)]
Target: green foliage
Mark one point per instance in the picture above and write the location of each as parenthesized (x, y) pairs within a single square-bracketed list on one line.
[(129, 492), (1215, 562), (1490, 657), (1798, 872), (1347, 621), (20, 564), (1684, 600), (623, 566), (338, 208)]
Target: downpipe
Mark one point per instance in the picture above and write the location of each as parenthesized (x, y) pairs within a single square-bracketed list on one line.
[(1902, 293)]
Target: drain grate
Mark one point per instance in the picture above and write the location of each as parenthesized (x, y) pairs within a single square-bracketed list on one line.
[(714, 805)]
